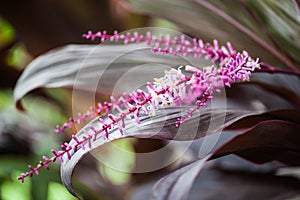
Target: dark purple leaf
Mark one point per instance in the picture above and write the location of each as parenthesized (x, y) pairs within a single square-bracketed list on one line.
[(230, 21), (272, 16), (177, 185), (272, 140), (265, 91), (235, 179), (217, 183), (249, 121), (267, 141), (229, 178), (233, 162), (162, 126), (285, 86), (95, 68)]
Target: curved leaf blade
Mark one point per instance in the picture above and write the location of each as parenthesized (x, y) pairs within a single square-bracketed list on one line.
[(281, 20), (266, 91), (211, 181), (91, 67), (267, 141), (162, 126), (214, 182), (210, 25), (176, 185), (292, 116)]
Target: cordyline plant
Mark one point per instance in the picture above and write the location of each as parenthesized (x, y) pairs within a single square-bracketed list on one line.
[(260, 119), (186, 85), (173, 89)]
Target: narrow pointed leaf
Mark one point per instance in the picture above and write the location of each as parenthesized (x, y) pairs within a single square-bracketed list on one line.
[(234, 21), (162, 126), (267, 141), (266, 91), (292, 116), (176, 185), (218, 183), (272, 140), (93, 67), (281, 19)]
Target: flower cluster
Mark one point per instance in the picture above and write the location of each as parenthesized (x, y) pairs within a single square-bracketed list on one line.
[(184, 85), (166, 44)]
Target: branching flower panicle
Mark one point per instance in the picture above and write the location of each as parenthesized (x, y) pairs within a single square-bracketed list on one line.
[(184, 85), (165, 44)]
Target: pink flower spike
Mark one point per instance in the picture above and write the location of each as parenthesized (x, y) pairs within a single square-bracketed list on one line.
[(100, 108), (88, 138), (151, 87), (103, 36), (54, 152), (112, 118), (142, 93), (33, 170), (123, 120), (65, 149), (82, 144), (74, 137), (216, 45), (102, 121), (95, 132), (61, 159), (127, 105), (57, 129), (106, 132), (136, 115), (46, 163), (148, 38), (120, 128), (22, 177), (232, 52), (45, 158), (134, 98), (191, 69)]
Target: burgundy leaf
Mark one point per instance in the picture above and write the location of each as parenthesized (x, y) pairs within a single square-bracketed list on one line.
[(94, 67), (201, 180), (285, 86), (249, 121), (217, 183), (267, 141), (280, 91), (230, 19), (177, 185), (162, 126), (266, 91)]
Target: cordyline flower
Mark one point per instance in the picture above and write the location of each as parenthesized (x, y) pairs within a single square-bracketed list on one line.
[(184, 85)]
